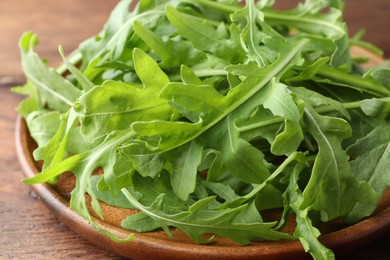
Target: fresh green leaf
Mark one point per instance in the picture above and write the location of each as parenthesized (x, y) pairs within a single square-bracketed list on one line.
[(43, 125), (332, 187), (305, 231), (85, 83), (185, 169), (370, 163), (200, 220), (382, 76), (116, 105), (139, 222), (55, 91)]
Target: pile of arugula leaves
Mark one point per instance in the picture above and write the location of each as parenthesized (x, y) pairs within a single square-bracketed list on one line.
[(202, 114)]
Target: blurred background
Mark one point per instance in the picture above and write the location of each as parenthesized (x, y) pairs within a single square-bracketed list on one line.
[(59, 22)]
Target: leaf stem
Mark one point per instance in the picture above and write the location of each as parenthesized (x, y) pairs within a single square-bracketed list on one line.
[(74, 58), (278, 17), (268, 122), (218, 6), (257, 188), (320, 110), (201, 73), (353, 80)]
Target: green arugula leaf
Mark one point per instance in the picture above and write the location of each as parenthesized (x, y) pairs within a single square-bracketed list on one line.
[(370, 163), (223, 191), (55, 149), (204, 36), (331, 171), (252, 37), (119, 200), (29, 104), (338, 77), (55, 91), (374, 107), (289, 140), (116, 105), (382, 76), (85, 83), (294, 157), (200, 220), (303, 19), (185, 169), (140, 222), (148, 189), (43, 125), (83, 165), (305, 231), (240, 157), (216, 106)]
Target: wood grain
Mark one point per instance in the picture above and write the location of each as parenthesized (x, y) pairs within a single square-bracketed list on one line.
[(60, 22), (27, 228)]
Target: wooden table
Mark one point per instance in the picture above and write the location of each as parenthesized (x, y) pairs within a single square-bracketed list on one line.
[(27, 228)]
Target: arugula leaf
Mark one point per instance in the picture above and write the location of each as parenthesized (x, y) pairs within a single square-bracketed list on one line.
[(55, 91), (85, 83), (200, 220), (382, 76), (119, 200), (55, 149), (183, 176), (331, 171), (301, 18), (251, 36), (118, 18), (374, 107), (203, 35), (289, 140), (305, 231), (140, 222), (43, 125), (148, 189), (83, 165), (115, 105), (243, 159), (297, 157), (370, 163), (31, 103), (216, 105)]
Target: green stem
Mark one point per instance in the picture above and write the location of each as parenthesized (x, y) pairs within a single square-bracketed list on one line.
[(348, 106), (353, 80), (278, 17), (75, 57), (321, 110), (281, 17), (258, 187), (279, 170), (201, 73), (218, 6), (272, 121)]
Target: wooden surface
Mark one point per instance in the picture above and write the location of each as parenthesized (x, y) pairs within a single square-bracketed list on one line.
[(27, 228)]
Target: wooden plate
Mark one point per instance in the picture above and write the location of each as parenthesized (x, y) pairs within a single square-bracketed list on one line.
[(157, 245)]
